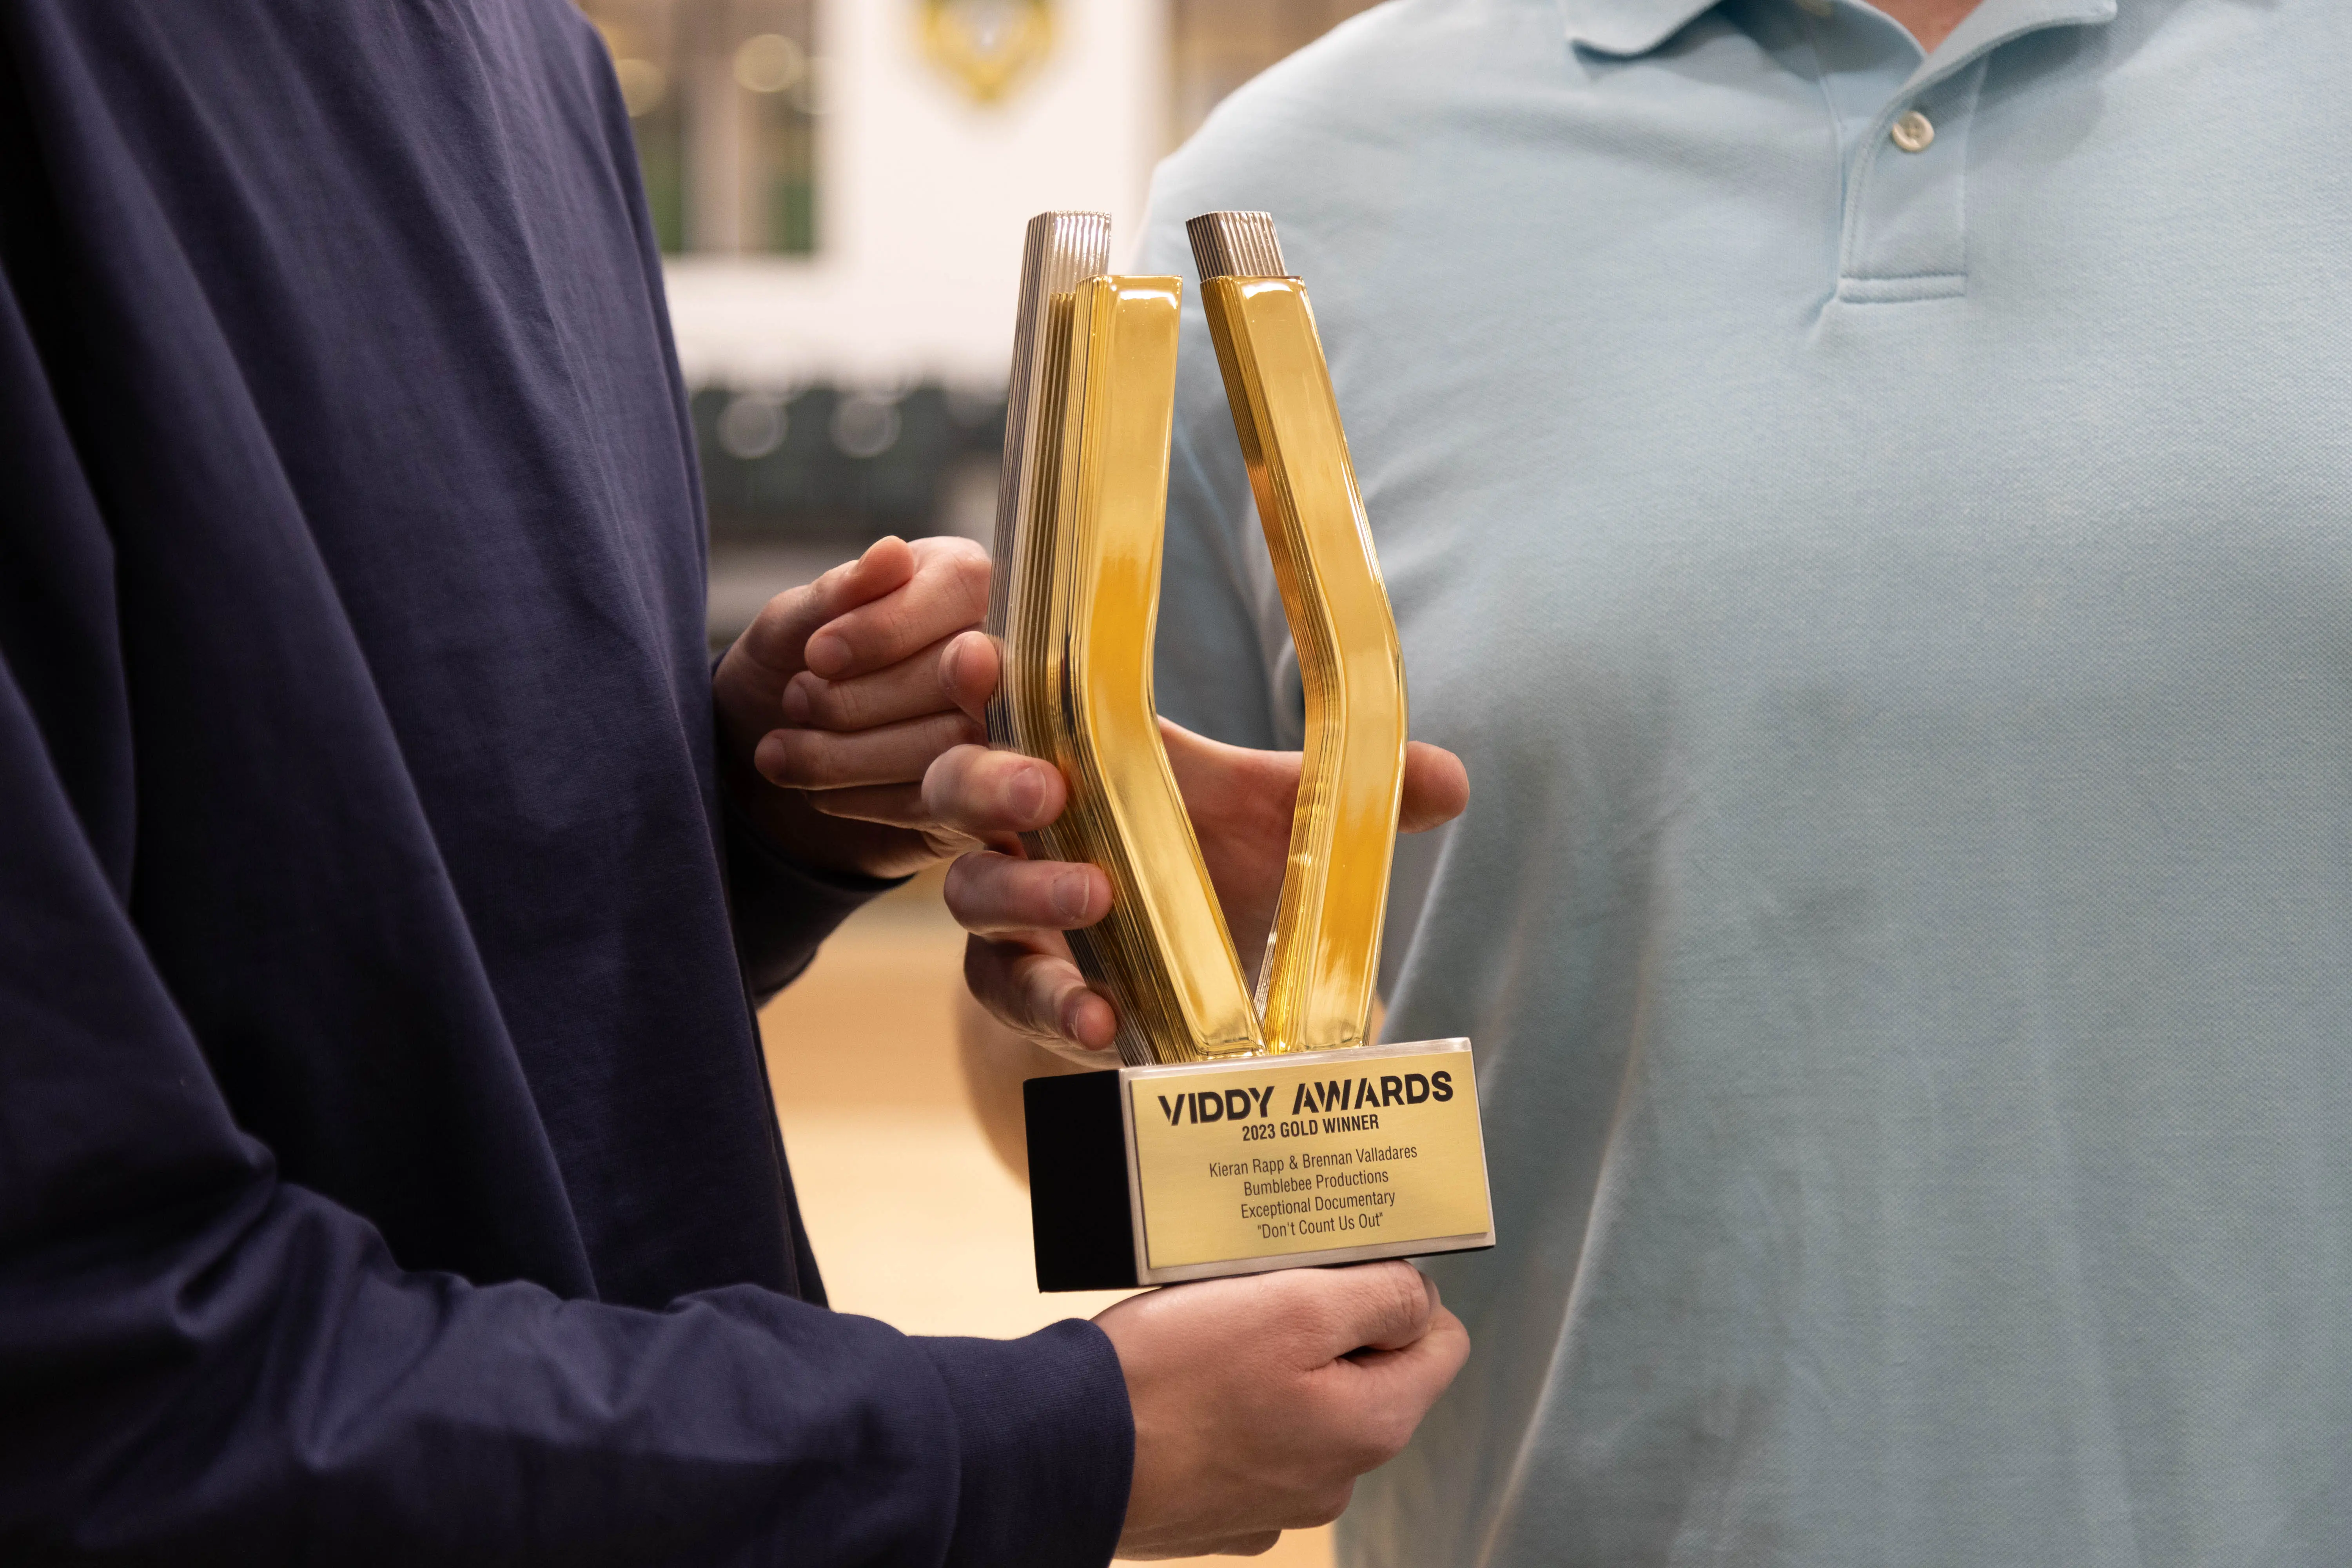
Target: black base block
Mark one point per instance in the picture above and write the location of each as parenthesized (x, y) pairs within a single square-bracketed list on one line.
[(1078, 1210)]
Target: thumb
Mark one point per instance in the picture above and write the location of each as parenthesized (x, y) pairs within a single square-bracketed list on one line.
[(777, 640), (1232, 783), (1404, 1309), (1370, 1306), (1437, 788), (1403, 1382)]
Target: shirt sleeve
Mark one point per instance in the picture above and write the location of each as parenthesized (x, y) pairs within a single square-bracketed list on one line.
[(203, 1362)]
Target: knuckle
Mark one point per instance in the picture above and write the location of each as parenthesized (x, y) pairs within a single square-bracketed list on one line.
[(1040, 987), (984, 970), (967, 878), (819, 760), (1397, 1297), (947, 784), (1320, 1318), (825, 699), (796, 757), (780, 610), (1017, 892), (938, 734), (956, 553), (835, 704), (831, 585), (902, 625), (972, 573)]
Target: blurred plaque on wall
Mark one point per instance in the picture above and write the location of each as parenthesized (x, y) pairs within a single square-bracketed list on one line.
[(986, 46)]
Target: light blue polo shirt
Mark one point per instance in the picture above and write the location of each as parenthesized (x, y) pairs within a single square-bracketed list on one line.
[(1896, 608)]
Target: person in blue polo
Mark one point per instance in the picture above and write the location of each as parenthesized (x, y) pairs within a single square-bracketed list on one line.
[(1867, 490), (388, 1172)]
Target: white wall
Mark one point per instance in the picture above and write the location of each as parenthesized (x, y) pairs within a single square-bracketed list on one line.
[(923, 195)]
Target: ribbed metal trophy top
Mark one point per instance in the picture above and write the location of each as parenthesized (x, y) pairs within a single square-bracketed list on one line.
[(1236, 245), (1063, 250)]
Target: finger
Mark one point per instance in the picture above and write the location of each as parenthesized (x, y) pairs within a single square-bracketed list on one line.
[(984, 793), (778, 638), (1251, 1545), (1414, 1319), (1038, 993), (1398, 1302), (907, 689), (895, 753), (1437, 788), (1250, 792), (994, 894), (947, 594), (1381, 1306), (1442, 1322), (1382, 1395), (1226, 782), (969, 671), (1327, 1504), (1403, 1382), (892, 805)]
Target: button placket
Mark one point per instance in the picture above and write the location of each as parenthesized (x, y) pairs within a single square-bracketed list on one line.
[(1907, 211)]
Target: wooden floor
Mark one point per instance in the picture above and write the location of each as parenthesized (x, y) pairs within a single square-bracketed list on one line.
[(914, 1220)]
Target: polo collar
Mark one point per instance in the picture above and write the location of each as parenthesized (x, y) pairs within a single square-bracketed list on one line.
[(1637, 27), (1629, 26), (1995, 22)]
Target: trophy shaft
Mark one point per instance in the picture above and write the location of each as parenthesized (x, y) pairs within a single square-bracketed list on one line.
[(1123, 353), (1317, 985), (1078, 626), (1060, 250)]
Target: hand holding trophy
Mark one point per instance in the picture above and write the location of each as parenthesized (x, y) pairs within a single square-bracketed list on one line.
[(1245, 1132)]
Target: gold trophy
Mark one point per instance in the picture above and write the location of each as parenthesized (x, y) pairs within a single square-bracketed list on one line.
[(1245, 1131)]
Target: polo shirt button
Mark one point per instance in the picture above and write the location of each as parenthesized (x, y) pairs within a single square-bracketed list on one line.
[(1912, 132)]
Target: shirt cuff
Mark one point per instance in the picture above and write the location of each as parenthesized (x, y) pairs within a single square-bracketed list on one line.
[(1046, 1447), (782, 908)]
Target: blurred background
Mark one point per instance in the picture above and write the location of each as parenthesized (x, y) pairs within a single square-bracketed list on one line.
[(840, 188)]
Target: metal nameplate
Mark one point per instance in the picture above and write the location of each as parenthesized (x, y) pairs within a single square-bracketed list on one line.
[(1311, 1157)]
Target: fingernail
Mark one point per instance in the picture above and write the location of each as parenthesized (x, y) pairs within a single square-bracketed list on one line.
[(1027, 794), (827, 652), (796, 704), (1071, 895)]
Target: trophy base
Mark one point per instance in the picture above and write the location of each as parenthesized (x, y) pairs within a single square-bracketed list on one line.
[(1148, 1175)]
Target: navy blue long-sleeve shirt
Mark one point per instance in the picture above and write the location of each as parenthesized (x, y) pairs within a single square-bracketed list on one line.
[(387, 1170)]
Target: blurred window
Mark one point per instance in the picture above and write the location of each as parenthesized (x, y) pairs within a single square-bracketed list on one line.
[(1217, 45), (723, 97)]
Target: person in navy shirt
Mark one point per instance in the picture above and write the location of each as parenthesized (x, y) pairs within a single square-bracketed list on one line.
[(387, 1168)]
